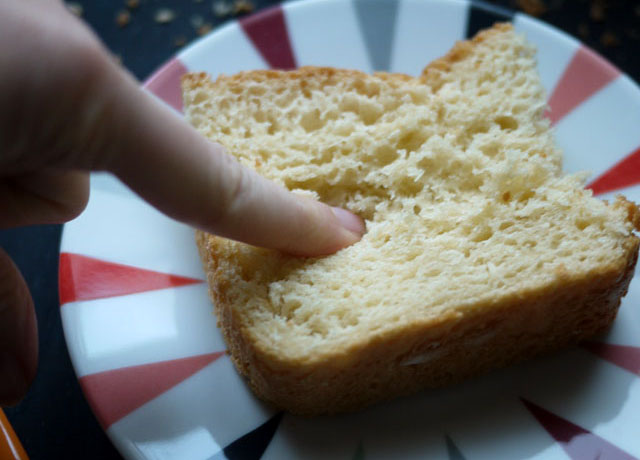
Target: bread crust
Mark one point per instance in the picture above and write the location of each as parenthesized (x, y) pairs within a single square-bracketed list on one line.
[(441, 352), (433, 73), (301, 75)]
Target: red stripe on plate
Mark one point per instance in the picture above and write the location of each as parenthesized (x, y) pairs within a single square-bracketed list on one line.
[(577, 442), (165, 83), (116, 393), (585, 75), (624, 356), (623, 174), (269, 34), (86, 278)]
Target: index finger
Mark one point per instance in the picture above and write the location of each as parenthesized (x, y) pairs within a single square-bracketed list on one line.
[(191, 179)]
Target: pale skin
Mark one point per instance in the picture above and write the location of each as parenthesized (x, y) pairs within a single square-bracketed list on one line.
[(66, 108)]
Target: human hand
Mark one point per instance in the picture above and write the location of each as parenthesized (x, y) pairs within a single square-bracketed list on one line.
[(67, 108)]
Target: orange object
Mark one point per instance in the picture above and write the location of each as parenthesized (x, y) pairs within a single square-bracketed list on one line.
[(10, 447)]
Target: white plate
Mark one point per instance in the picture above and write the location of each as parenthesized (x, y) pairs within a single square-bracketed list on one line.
[(139, 326)]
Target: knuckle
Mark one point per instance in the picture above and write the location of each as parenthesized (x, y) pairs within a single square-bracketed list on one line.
[(238, 185)]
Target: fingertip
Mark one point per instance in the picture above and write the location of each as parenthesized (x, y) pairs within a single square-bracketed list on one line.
[(340, 229)]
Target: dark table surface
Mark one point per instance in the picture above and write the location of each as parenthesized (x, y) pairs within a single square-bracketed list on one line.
[(54, 421)]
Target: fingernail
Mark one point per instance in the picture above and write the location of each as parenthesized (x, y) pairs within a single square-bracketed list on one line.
[(349, 220)]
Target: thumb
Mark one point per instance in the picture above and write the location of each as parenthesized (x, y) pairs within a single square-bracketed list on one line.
[(18, 334), (180, 172)]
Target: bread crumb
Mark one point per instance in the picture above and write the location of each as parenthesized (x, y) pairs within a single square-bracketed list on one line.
[(609, 39), (597, 11), (180, 41), (133, 4), (242, 7), (532, 7), (164, 16), (123, 18), (75, 8), (204, 29)]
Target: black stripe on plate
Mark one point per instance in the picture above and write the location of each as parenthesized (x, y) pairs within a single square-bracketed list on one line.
[(483, 15), (252, 445), (452, 450)]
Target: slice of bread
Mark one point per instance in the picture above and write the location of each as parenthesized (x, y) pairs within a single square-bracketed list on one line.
[(478, 251)]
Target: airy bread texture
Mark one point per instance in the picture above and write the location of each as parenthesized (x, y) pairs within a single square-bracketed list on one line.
[(478, 251)]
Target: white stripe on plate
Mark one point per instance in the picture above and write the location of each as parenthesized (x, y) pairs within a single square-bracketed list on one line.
[(411, 435), (603, 129), (306, 438), (142, 328), (498, 425), (227, 51), (555, 48), (325, 33), (589, 392), (124, 229), (194, 419), (420, 38)]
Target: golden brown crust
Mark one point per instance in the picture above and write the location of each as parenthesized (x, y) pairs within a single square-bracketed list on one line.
[(633, 213), (456, 346), (432, 74), (322, 75)]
